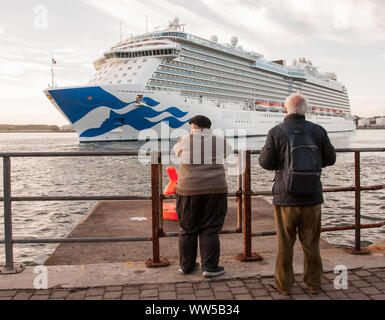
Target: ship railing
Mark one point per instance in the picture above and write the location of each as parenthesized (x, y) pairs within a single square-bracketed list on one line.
[(208, 75), (217, 57), (254, 74), (243, 197), (200, 90), (277, 84), (204, 87), (198, 82), (214, 61), (243, 53)]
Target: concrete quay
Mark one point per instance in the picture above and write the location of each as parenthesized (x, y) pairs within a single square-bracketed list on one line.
[(101, 271)]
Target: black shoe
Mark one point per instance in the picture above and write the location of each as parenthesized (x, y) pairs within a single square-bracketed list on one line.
[(183, 271), (209, 273)]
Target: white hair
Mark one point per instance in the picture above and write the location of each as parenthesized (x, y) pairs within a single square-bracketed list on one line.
[(296, 103)]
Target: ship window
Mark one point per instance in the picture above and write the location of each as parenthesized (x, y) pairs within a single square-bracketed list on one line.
[(129, 68), (133, 61), (119, 81), (144, 60), (129, 80), (124, 74), (134, 74), (139, 67), (118, 121)]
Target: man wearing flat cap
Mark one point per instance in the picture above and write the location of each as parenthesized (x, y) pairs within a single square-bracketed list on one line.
[(201, 196)]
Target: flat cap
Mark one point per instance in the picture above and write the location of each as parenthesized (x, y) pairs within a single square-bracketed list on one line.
[(201, 121)]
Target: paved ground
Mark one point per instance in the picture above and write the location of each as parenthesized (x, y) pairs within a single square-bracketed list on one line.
[(363, 284), (133, 219), (117, 270)]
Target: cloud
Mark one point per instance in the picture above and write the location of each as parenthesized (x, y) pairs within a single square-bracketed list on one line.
[(342, 36), (130, 13), (338, 21)]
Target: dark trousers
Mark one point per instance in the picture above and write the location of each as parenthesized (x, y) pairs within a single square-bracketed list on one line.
[(203, 216)]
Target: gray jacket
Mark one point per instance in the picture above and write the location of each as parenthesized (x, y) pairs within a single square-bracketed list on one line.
[(201, 169)]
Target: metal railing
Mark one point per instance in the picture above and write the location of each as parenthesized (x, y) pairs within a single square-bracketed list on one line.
[(243, 197)]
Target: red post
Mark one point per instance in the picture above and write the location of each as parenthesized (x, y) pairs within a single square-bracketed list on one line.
[(155, 200), (239, 194), (247, 255), (357, 172)]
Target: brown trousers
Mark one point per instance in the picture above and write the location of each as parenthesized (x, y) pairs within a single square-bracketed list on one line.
[(307, 221)]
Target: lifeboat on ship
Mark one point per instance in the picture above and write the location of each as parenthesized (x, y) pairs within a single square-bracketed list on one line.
[(275, 106), (261, 105)]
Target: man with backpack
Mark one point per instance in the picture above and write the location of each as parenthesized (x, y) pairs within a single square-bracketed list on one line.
[(297, 150)]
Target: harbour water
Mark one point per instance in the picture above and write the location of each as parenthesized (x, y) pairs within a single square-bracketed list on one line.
[(126, 175)]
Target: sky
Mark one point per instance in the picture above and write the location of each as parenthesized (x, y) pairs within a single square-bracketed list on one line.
[(342, 36)]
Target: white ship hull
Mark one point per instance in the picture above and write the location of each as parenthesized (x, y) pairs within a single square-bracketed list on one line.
[(125, 112)]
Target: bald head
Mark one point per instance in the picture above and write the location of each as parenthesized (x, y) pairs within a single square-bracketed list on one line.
[(296, 103)]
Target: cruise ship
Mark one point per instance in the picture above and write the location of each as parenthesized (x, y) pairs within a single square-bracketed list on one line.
[(149, 86)]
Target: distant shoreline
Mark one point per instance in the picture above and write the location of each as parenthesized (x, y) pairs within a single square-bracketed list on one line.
[(35, 131), (33, 128), (371, 128)]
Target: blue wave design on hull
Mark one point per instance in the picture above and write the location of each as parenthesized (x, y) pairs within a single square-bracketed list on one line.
[(150, 102), (137, 119), (75, 103)]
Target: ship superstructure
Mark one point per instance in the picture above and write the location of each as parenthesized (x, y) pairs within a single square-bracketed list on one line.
[(170, 75)]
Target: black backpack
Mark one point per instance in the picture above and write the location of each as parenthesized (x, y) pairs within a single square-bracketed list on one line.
[(303, 164)]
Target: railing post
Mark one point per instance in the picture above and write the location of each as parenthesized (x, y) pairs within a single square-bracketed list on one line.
[(357, 177), (247, 255), (155, 201), (160, 171), (10, 267), (239, 192)]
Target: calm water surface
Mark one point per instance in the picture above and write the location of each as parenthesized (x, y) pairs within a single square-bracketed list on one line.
[(126, 175)]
